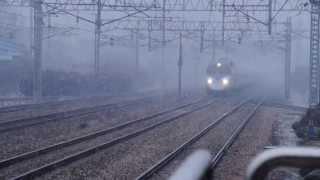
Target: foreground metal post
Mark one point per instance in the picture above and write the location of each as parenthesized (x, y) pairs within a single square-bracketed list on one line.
[(199, 162), (314, 53), (37, 68)]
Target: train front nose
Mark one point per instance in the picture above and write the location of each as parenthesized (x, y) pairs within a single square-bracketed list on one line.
[(218, 84)]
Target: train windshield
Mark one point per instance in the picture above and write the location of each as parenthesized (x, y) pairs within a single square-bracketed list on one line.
[(219, 69)]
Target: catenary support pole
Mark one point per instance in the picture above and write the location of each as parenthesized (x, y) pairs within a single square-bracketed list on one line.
[(288, 58), (37, 55), (97, 39), (180, 64)]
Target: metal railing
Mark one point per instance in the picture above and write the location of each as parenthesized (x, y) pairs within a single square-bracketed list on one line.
[(295, 157), (260, 167)]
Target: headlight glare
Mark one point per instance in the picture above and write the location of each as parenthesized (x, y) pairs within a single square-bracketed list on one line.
[(225, 81), (209, 80)]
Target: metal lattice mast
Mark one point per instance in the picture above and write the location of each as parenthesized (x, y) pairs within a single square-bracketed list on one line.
[(37, 75), (314, 53)]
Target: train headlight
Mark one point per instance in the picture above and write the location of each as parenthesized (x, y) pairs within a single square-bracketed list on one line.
[(209, 80), (225, 81), (219, 64)]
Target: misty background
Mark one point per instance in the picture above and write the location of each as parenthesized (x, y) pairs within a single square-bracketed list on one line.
[(68, 47)]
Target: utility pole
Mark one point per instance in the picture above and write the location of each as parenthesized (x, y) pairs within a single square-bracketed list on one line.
[(202, 31), (163, 44), (223, 19), (47, 50), (97, 39), (180, 64), (37, 69), (213, 46), (31, 30), (270, 17), (137, 47), (314, 53), (287, 66), (211, 5), (149, 34)]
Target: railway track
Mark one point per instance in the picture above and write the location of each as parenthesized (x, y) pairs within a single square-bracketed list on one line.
[(22, 107), (30, 106), (218, 155), (12, 125), (48, 102), (159, 119)]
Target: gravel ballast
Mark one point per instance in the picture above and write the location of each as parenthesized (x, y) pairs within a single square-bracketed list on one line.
[(127, 160), (257, 134), (55, 155), (212, 141), (62, 106), (27, 139)]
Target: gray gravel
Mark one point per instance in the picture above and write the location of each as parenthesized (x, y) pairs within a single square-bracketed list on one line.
[(26, 165), (127, 160), (72, 104), (31, 138), (212, 141), (256, 135), (47, 108)]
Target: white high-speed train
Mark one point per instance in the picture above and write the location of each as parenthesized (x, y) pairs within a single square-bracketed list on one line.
[(219, 76)]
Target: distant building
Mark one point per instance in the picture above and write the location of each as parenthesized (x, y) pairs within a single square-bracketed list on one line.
[(8, 35), (13, 58), (9, 50)]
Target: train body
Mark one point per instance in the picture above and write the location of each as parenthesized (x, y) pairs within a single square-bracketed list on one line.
[(220, 76)]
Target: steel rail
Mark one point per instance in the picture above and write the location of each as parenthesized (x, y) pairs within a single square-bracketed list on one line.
[(89, 151), (21, 107), (217, 158), (18, 158), (160, 164), (285, 106), (49, 101), (208, 164), (11, 125), (27, 106)]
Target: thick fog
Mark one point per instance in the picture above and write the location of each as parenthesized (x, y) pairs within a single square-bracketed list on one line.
[(68, 46)]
